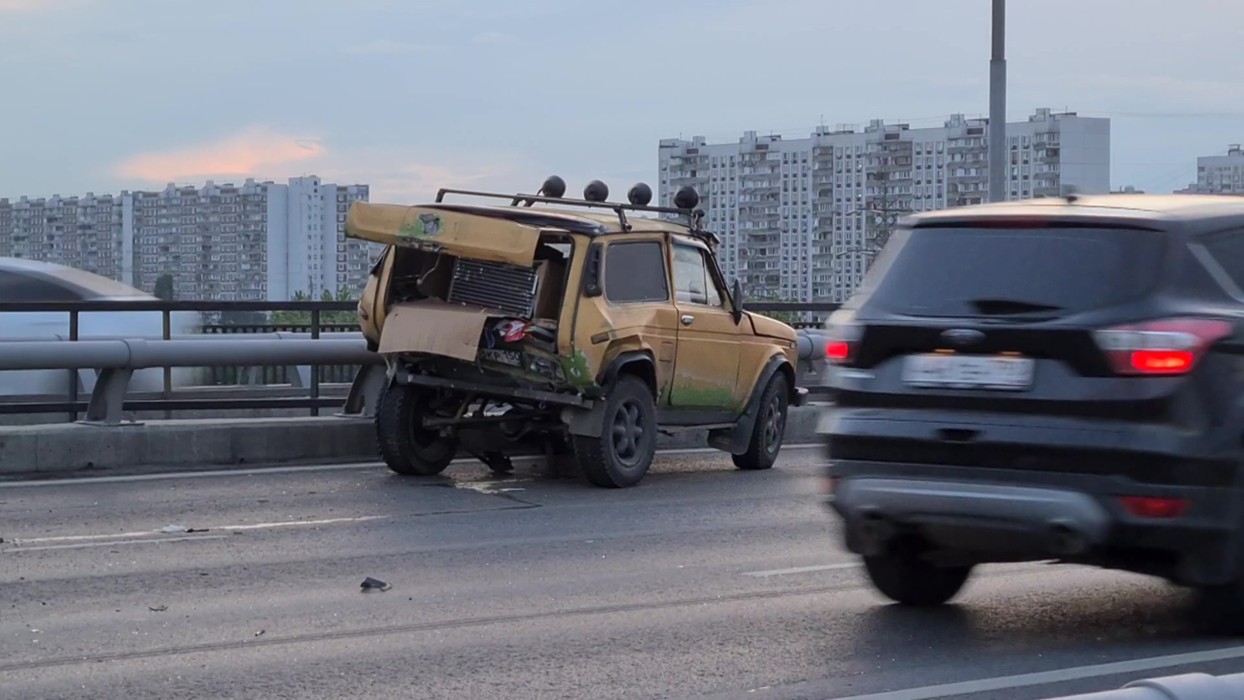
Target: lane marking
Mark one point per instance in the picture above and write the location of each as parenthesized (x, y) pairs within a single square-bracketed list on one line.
[(154, 535), (1026, 680), (311, 468), (117, 543), (804, 569)]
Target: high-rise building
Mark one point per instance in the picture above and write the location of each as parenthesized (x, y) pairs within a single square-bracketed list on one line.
[(255, 241), (802, 219), (1222, 174)]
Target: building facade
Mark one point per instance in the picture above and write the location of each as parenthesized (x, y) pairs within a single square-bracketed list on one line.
[(802, 219), (1222, 174), (255, 241)]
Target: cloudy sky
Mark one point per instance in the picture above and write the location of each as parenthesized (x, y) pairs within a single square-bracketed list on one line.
[(409, 95)]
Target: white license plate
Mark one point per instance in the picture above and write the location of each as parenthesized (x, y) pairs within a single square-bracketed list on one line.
[(969, 371), (505, 357)]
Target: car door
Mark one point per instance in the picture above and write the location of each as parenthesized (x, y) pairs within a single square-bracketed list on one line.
[(707, 363)]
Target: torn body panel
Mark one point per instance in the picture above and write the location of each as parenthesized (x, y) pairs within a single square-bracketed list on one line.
[(454, 233)]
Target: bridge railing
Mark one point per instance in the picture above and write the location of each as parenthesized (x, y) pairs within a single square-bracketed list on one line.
[(305, 345)]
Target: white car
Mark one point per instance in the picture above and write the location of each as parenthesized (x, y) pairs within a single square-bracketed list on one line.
[(30, 281)]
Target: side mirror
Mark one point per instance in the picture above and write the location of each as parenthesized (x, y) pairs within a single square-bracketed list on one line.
[(736, 294)]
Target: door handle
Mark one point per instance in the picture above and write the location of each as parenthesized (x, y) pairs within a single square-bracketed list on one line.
[(687, 319)]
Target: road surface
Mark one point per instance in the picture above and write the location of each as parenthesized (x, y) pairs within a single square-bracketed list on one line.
[(701, 582)]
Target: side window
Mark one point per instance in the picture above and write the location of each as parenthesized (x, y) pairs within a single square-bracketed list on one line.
[(16, 287), (1228, 251), (635, 273), (692, 280)]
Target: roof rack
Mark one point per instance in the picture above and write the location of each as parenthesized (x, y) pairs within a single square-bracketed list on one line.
[(694, 217)]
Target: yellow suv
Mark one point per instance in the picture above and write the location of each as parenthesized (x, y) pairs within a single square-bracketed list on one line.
[(580, 326)]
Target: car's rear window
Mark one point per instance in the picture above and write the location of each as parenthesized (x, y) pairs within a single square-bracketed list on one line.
[(972, 271)]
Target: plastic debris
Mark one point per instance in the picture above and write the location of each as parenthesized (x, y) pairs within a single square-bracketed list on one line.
[(158, 608), (260, 633), (371, 584), (171, 529)]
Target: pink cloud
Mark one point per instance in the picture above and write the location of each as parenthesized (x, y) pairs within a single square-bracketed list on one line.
[(255, 151)]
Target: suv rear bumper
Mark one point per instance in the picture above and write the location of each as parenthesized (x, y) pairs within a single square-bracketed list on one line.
[(999, 510)]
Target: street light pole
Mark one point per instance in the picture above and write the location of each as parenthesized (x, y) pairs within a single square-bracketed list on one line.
[(997, 105)]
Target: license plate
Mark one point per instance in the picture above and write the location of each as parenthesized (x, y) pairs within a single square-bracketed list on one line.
[(969, 371), (513, 358)]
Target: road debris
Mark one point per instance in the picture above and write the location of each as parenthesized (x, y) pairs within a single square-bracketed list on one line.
[(369, 584), (260, 633), (158, 608), (177, 529)]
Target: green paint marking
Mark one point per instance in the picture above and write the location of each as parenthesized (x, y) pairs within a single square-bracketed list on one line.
[(424, 226), (576, 369)]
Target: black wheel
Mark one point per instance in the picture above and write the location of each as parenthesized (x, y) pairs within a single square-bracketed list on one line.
[(904, 577), (1220, 609), (622, 454), (403, 444), (770, 427)]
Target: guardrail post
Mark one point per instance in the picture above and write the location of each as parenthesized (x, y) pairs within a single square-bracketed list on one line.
[(74, 377), (315, 369), (107, 406), (368, 382), (166, 394)]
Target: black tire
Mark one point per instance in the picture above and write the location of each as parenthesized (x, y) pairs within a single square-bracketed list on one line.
[(621, 456), (405, 447), (902, 576), (1219, 610), (770, 428)]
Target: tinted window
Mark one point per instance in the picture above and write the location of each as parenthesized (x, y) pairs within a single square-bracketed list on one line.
[(635, 272), (973, 271), (1228, 251), (692, 281), (18, 288)]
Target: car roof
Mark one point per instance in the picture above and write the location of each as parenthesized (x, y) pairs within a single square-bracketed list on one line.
[(571, 221), (1197, 213), (88, 284)]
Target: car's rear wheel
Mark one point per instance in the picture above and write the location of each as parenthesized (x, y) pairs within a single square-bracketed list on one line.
[(902, 575), (623, 453), (405, 446), (770, 428)]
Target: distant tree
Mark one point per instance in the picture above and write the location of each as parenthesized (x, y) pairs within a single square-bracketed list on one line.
[(164, 287), (303, 318)]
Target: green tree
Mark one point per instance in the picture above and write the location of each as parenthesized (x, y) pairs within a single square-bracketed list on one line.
[(303, 318), (164, 287)]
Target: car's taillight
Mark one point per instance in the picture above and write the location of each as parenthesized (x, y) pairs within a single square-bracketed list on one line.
[(1148, 507), (841, 344), (1165, 347)]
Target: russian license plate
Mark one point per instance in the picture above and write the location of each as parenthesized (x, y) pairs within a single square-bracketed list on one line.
[(997, 372), (513, 358)]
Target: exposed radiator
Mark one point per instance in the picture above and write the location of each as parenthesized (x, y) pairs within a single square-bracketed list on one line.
[(509, 288)]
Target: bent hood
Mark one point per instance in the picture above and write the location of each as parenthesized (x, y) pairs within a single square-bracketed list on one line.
[(771, 328), (454, 233)]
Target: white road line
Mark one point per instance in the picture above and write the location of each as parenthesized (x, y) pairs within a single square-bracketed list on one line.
[(302, 468), (1025, 680), (85, 545), (154, 535), (803, 569)]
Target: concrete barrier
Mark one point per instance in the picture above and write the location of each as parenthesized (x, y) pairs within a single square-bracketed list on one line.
[(41, 450)]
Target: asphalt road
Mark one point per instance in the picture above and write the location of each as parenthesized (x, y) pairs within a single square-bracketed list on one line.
[(701, 582)]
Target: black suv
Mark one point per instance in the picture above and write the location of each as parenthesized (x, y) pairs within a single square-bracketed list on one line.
[(1052, 379)]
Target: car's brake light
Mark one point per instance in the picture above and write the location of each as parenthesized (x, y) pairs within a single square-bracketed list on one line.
[(1166, 347), (1148, 507), (841, 344)]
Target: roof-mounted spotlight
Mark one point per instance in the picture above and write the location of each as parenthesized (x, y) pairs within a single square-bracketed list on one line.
[(553, 187), (639, 195), (596, 191), (686, 198)]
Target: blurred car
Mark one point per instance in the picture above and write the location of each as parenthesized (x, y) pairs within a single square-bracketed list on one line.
[(1057, 379), (30, 281)]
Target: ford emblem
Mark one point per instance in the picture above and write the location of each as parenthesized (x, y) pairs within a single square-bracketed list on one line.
[(962, 337)]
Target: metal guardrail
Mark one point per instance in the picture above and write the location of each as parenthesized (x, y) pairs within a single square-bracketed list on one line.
[(116, 359), (1190, 686)]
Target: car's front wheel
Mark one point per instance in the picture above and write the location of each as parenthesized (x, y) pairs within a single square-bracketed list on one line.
[(622, 454), (770, 428), (904, 576), (404, 444)]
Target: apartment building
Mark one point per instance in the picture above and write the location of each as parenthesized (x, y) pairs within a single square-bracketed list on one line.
[(254, 241), (1222, 174), (801, 219)]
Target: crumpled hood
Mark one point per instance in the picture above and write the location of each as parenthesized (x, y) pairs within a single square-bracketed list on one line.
[(771, 328)]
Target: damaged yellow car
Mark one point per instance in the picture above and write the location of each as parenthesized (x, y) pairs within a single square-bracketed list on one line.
[(581, 327)]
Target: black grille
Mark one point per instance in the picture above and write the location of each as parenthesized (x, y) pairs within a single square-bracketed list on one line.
[(509, 288)]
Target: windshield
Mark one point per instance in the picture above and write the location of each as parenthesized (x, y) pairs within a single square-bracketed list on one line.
[(1055, 271)]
